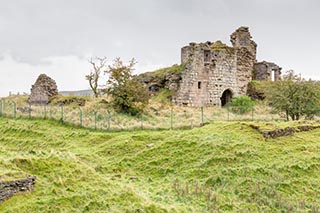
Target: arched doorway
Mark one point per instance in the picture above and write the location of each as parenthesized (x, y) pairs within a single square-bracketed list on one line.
[(226, 97)]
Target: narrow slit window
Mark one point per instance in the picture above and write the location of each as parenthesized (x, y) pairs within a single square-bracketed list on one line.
[(207, 56), (199, 85)]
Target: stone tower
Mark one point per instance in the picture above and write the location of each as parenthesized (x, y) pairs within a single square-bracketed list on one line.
[(216, 72), (246, 50)]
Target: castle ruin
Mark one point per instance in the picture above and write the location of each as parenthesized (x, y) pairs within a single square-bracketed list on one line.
[(43, 89), (214, 72)]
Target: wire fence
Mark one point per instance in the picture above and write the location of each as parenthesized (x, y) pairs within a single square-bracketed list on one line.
[(106, 119)]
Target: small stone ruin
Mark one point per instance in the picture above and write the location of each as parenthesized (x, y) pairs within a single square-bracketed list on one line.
[(43, 89), (266, 71), (9, 189)]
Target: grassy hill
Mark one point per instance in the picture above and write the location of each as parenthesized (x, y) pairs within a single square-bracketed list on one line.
[(221, 167)]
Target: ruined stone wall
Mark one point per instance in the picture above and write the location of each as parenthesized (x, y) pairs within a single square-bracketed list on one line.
[(246, 57), (223, 75), (210, 70), (213, 68), (214, 72), (245, 63), (266, 71), (43, 89), (9, 189), (195, 77)]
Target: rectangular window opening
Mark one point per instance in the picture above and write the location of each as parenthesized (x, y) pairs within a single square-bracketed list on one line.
[(199, 85), (207, 56)]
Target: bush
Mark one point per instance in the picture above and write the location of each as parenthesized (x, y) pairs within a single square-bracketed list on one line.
[(128, 95), (241, 105)]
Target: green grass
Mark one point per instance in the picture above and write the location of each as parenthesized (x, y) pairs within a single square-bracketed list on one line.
[(160, 73), (224, 166)]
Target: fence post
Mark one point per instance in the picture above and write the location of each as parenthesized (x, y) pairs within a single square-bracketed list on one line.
[(30, 110), (108, 120), (252, 113), (228, 111), (95, 120), (50, 112), (80, 116), (0, 108), (14, 110), (141, 121), (171, 119), (202, 121), (61, 114), (45, 111)]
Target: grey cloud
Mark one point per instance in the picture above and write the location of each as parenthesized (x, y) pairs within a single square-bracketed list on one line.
[(154, 30)]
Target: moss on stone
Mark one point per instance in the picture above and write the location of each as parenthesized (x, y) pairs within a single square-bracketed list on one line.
[(219, 45), (160, 73)]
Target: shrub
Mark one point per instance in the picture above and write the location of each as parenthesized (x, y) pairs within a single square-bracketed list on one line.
[(241, 104), (128, 95), (294, 96)]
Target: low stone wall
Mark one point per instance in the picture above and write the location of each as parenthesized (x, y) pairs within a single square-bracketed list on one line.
[(283, 132), (9, 189)]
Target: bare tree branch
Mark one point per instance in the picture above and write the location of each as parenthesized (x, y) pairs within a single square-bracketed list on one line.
[(98, 66)]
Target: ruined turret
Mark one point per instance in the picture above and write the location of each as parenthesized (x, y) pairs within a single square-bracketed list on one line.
[(241, 38), (246, 50), (43, 89)]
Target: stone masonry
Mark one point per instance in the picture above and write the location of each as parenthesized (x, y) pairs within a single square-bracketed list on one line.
[(214, 72), (43, 89), (266, 71), (9, 189)]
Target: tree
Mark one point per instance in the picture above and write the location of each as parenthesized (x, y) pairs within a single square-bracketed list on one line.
[(294, 96), (129, 96), (98, 66), (241, 104)]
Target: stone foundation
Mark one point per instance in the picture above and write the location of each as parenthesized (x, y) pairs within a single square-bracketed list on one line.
[(9, 189)]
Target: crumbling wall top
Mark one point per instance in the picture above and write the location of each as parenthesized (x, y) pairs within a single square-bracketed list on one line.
[(242, 38)]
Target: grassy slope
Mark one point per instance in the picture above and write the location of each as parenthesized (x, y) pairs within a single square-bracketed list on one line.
[(226, 166)]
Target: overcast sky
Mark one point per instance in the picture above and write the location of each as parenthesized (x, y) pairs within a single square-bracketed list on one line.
[(57, 37)]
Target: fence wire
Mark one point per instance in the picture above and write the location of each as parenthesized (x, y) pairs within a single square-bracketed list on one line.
[(105, 119)]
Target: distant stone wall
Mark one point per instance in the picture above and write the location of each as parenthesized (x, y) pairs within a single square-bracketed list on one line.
[(267, 71), (9, 189)]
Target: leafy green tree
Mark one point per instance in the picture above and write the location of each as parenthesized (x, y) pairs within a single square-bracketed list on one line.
[(294, 96), (129, 95), (241, 104)]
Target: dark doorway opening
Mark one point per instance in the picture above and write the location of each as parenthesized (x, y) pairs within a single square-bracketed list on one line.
[(226, 97)]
